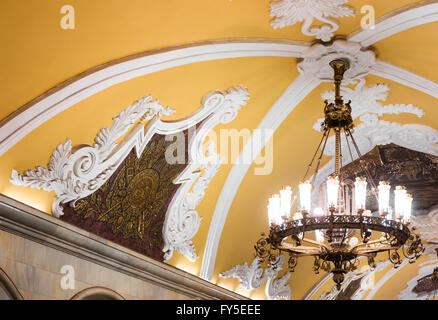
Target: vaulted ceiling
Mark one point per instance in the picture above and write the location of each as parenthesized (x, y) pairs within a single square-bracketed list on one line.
[(60, 84)]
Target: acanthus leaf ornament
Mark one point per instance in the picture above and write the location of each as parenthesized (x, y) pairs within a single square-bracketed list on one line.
[(182, 221), (365, 100), (289, 12), (277, 288), (250, 277), (254, 276), (76, 172)]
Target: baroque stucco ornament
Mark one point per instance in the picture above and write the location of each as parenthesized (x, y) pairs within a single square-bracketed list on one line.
[(316, 59), (253, 277), (289, 12), (76, 172), (182, 220)]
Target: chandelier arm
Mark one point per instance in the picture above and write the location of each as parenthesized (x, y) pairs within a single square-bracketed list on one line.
[(320, 244), (344, 235), (368, 243), (314, 156), (367, 172), (320, 157)]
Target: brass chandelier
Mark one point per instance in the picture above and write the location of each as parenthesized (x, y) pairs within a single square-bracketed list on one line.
[(344, 230)]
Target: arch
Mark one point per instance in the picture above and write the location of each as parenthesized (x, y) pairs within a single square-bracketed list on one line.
[(97, 293), (33, 114), (8, 290)]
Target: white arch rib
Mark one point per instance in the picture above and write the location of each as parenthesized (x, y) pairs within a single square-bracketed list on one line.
[(385, 278), (293, 95), (405, 77), (386, 26), (32, 115), (397, 21)]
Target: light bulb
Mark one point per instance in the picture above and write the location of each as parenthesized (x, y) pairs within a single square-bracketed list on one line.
[(305, 195), (332, 191)]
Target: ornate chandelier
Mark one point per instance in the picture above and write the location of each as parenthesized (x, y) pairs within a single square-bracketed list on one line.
[(344, 230)]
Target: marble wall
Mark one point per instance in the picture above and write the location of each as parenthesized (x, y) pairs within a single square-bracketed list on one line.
[(35, 270)]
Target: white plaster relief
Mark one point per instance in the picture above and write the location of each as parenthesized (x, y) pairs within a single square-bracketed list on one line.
[(182, 220), (290, 12), (254, 276), (316, 60), (366, 283), (76, 172)]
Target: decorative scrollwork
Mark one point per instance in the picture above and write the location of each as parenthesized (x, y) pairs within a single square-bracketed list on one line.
[(292, 263), (395, 258), (316, 265), (413, 249), (263, 248), (75, 172)]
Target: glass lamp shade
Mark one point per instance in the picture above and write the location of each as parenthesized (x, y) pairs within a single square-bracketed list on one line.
[(360, 190), (407, 208), (274, 209), (319, 234), (285, 201), (318, 212), (305, 195), (399, 201), (332, 191), (384, 188), (271, 213)]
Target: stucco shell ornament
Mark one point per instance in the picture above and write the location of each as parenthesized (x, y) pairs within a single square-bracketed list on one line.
[(289, 12)]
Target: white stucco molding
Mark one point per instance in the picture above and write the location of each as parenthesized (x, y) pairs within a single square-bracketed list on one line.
[(293, 95), (405, 77), (76, 172), (30, 116), (254, 276), (289, 12), (397, 21)]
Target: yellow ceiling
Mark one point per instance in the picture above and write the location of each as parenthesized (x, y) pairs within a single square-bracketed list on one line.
[(37, 55)]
